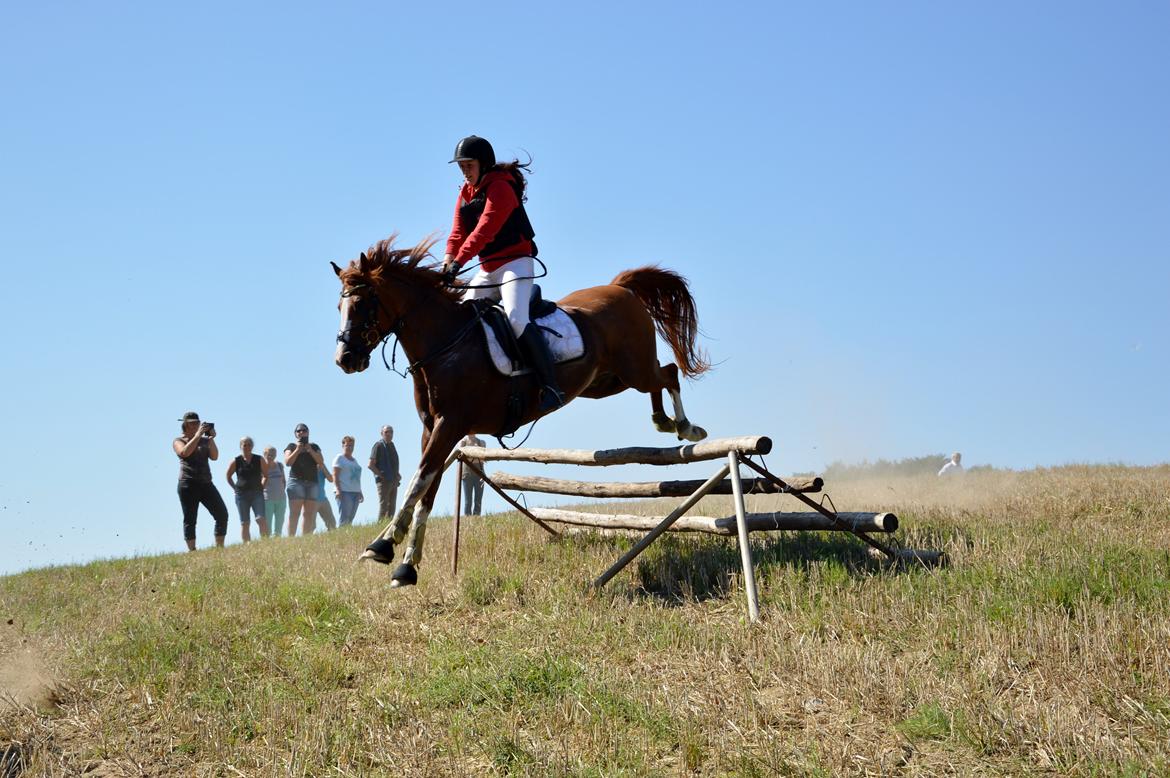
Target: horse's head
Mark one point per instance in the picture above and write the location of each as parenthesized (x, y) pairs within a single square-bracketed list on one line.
[(362, 327), (378, 291)]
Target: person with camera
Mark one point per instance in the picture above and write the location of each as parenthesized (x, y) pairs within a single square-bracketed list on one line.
[(304, 460), (249, 470), (196, 449)]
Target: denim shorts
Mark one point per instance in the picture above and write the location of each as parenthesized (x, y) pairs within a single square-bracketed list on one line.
[(302, 490), (253, 500)]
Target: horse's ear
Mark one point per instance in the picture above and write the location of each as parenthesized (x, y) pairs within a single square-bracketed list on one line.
[(362, 262), (336, 269)]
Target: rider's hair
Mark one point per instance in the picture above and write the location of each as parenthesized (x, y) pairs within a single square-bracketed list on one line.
[(517, 169)]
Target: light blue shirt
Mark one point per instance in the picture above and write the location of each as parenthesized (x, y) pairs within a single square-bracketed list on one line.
[(350, 472)]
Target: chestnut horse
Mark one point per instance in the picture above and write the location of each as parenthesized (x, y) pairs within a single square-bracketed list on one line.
[(457, 390)]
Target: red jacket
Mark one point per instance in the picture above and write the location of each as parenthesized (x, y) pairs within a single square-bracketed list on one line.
[(501, 202)]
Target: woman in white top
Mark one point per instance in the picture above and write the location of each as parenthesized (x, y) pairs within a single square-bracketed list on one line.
[(347, 481)]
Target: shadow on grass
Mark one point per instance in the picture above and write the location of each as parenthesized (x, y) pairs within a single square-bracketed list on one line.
[(677, 569)]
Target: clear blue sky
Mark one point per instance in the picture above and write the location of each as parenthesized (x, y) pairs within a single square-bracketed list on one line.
[(910, 227)]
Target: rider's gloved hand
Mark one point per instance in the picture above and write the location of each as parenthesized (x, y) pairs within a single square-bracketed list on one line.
[(450, 271)]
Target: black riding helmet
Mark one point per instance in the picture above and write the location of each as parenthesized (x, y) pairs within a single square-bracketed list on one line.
[(477, 148)]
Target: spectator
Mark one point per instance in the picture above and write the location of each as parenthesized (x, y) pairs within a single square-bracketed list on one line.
[(304, 461), (249, 470), (196, 449), (347, 481), (275, 499), (384, 466), (472, 483), (952, 467), (324, 507)]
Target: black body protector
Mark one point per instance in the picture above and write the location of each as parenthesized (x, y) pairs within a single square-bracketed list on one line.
[(516, 228)]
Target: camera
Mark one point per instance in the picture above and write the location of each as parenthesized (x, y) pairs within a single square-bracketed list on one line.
[(210, 429)]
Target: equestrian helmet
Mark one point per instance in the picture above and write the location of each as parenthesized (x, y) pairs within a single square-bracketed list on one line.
[(477, 148)]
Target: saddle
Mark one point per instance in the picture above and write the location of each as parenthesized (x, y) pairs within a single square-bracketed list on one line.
[(559, 330)]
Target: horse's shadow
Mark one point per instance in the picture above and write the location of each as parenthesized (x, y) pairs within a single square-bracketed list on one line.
[(677, 570)]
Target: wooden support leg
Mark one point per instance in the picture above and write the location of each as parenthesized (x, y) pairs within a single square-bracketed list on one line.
[(458, 502), (663, 526), (475, 469), (745, 549), (831, 515)]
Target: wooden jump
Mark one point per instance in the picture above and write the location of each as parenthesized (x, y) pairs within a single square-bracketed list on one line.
[(727, 480)]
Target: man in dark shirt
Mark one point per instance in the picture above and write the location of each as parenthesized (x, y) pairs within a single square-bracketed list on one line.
[(472, 483), (384, 466)]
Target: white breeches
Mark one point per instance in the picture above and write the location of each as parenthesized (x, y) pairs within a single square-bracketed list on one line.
[(514, 296)]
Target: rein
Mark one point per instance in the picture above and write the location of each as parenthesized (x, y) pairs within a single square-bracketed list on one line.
[(395, 329), (452, 285)]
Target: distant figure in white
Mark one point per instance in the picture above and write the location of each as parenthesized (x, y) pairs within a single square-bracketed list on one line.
[(952, 467)]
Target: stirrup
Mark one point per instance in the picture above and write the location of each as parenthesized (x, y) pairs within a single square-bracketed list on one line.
[(551, 398)]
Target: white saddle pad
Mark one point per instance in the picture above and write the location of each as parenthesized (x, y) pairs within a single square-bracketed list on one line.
[(568, 346)]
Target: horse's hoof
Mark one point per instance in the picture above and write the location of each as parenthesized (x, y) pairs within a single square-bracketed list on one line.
[(691, 432), (380, 551), (404, 575)]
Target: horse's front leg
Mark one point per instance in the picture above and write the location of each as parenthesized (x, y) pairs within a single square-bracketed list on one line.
[(443, 438), (381, 549), (406, 574), (409, 525)]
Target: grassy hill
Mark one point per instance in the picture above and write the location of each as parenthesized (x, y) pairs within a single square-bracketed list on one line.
[(1044, 648)]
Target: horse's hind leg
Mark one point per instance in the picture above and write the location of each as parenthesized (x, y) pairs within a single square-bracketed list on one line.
[(662, 422), (681, 425)]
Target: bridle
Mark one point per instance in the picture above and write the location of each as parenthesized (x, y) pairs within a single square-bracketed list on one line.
[(369, 334), (371, 337)]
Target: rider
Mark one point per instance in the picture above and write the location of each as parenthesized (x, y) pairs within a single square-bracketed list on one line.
[(490, 222)]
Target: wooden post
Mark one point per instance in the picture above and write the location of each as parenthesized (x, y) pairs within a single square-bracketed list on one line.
[(455, 536), (745, 549), (663, 526)]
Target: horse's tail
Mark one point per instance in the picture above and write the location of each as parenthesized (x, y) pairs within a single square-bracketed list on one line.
[(668, 299)]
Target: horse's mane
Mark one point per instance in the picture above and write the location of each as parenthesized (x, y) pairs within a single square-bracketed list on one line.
[(382, 261)]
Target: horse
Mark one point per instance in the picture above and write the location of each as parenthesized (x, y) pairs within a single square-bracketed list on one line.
[(391, 292)]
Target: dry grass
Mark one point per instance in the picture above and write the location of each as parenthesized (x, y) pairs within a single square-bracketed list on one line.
[(1044, 648)]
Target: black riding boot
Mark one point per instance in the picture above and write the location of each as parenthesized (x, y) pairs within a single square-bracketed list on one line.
[(540, 360)]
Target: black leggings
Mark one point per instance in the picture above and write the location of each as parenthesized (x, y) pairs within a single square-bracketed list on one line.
[(190, 495)]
